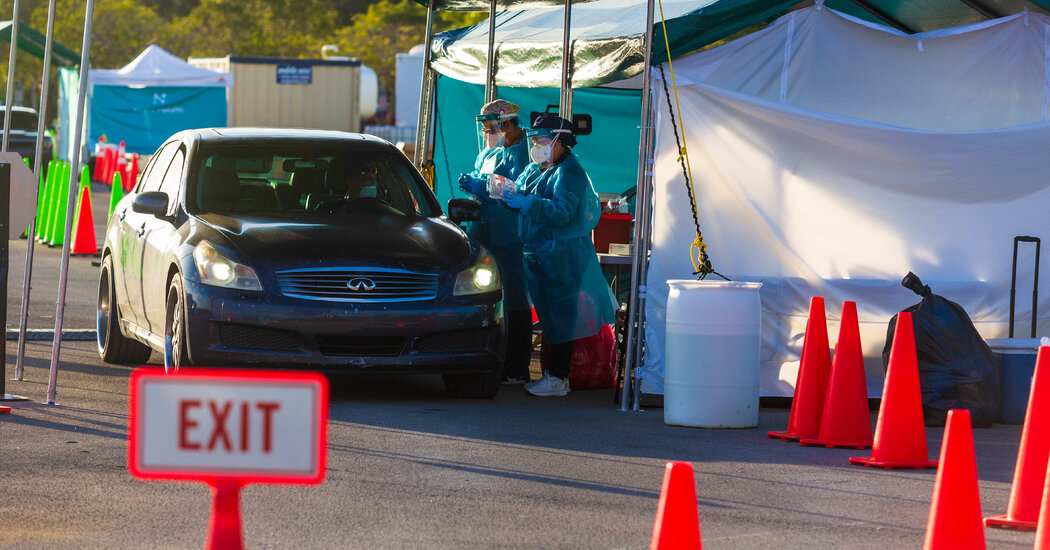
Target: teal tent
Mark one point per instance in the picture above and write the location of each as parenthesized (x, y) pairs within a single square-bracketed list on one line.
[(152, 97), (606, 43), (607, 38)]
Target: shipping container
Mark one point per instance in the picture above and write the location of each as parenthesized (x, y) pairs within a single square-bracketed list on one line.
[(291, 93)]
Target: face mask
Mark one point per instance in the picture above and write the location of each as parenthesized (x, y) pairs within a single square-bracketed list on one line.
[(541, 154)]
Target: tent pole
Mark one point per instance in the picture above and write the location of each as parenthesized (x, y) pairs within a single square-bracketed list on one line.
[(37, 171), (645, 151), (10, 76), (490, 74), (982, 9), (885, 17), (74, 186), (565, 105), (425, 90)]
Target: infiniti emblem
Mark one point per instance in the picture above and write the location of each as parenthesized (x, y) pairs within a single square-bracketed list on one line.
[(361, 283)]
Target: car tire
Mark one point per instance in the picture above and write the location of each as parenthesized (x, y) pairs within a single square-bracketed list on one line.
[(472, 386), (175, 355), (113, 346)]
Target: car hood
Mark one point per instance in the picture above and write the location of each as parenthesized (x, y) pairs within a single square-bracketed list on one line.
[(382, 239)]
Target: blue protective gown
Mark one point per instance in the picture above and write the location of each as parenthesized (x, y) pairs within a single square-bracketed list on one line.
[(570, 294), (497, 230)]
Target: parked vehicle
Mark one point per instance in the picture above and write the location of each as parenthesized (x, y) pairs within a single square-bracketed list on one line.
[(22, 138), (297, 249)]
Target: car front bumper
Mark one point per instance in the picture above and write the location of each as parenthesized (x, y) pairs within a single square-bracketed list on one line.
[(451, 335)]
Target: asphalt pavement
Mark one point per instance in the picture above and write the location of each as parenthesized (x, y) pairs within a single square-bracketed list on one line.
[(410, 468)]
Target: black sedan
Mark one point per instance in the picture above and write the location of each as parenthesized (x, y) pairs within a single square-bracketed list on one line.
[(297, 249)]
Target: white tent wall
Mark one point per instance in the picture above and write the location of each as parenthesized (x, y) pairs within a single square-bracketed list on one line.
[(832, 156)]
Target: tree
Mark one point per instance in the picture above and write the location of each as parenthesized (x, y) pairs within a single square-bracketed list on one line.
[(389, 28), (279, 28)]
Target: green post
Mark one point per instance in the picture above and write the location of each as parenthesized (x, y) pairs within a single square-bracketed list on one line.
[(42, 198), (59, 232), (115, 194), (52, 204)]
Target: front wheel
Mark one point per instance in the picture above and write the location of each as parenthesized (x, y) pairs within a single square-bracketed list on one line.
[(175, 327)]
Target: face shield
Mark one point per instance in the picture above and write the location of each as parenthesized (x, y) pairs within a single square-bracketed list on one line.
[(542, 144), (491, 129)]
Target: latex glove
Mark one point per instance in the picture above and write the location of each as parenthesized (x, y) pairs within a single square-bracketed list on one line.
[(516, 201), (473, 185)]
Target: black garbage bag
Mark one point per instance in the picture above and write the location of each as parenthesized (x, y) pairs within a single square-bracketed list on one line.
[(956, 367)]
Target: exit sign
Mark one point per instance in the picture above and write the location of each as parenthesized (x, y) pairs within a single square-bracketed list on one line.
[(248, 425)]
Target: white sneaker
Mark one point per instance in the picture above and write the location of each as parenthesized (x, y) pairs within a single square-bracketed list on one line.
[(548, 386)]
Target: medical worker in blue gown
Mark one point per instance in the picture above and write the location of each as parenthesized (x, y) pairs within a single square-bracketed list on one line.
[(559, 208), (504, 151)]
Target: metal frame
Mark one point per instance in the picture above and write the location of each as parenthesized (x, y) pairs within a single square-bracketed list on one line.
[(425, 93), (565, 103), (490, 70), (37, 171), (631, 390), (74, 186)]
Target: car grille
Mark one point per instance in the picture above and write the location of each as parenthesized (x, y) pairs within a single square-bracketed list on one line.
[(242, 336), (456, 341), (360, 345), (358, 284)]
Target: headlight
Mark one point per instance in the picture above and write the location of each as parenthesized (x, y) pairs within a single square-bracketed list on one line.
[(483, 276), (218, 270)]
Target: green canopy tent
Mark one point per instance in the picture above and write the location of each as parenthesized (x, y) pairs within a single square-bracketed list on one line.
[(615, 42), (32, 42)]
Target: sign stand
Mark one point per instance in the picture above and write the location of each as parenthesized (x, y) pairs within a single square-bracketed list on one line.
[(224, 526), (5, 230), (228, 428)]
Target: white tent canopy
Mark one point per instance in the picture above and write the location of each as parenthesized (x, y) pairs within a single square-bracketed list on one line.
[(831, 156), (156, 67)]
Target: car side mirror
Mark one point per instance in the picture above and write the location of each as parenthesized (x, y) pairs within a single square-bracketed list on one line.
[(463, 210), (151, 202)]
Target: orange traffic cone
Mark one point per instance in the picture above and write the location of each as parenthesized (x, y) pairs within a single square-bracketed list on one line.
[(133, 173), (99, 147), (900, 433), (677, 520), (812, 382), (5, 410), (1042, 532), (107, 166), (846, 421), (955, 510), (1027, 491), (121, 160), (84, 227)]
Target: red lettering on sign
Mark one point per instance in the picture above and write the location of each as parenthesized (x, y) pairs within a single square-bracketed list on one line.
[(267, 409), (185, 424), (219, 429), (244, 426)]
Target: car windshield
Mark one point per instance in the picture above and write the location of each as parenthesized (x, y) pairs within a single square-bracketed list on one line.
[(275, 181)]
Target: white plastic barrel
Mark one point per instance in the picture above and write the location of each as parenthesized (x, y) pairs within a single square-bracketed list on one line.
[(711, 354)]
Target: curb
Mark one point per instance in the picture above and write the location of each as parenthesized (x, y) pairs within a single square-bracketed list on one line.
[(77, 334)]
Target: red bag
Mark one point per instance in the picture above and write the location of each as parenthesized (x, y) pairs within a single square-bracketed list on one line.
[(593, 363)]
